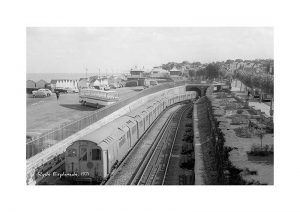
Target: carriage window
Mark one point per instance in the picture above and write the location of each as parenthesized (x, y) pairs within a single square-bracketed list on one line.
[(134, 130), (96, 154), (128, 134), (72, 153), (122, 141), (83, 154)]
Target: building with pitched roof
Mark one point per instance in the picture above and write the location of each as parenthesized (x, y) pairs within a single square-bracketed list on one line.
[(64, 83)]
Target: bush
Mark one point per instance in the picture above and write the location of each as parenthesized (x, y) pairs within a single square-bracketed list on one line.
[(239, 111), (257, 150), (189, 125), (244, 132), (188, 136), (187, 162)]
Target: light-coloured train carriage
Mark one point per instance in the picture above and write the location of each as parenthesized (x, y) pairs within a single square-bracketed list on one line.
[(147, 117), (82, 156), (155, 110), (177, 98), (98, 152), (131, 124), (113, 140), (184, 97), (160, 106), (170, 100), (180, 97), (188, 95), (164, 101), (150, 109), (139, 116)]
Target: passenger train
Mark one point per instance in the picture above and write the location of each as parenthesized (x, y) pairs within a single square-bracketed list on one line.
[(95, 155)]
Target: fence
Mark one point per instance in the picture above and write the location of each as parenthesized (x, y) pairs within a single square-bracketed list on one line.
[(43, 142)]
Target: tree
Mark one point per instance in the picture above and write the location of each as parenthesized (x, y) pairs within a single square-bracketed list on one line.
[(229, 61), (192, 73), (238, 60), (261, 136), (212, 71)]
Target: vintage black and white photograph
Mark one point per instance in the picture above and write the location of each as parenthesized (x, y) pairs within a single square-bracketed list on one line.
[(150, 106)]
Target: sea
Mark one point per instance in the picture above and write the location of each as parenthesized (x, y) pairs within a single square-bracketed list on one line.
[(52, 76)]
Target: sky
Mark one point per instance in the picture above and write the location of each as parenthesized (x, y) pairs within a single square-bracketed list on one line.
[(117, 49)]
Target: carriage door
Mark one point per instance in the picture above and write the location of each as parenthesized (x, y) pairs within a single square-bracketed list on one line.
[(83, 159)]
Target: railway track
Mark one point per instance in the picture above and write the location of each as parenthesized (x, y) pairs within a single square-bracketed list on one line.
[(163, 132), (154, 167), (137, 150)]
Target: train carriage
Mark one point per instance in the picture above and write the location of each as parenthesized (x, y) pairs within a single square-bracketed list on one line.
[(113, 142), (164, 102), (98, 152), (150, 113), (139, 116), (131, 124), (147, 118), (156, 109), (160, 106), (171, 100)]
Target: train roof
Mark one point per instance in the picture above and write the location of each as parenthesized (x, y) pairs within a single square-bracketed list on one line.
[(97, 90), (137, 111), (111, 129), (145, 107)]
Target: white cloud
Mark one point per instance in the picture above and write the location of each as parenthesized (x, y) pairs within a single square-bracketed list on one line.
[(63, 50)]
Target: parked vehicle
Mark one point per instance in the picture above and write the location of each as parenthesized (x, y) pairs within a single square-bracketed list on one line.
[(96, 97), (266, 97), (131, 84), (122, 84), (106, 88), (72, 90), (255, 93), (153, 82), (60, 90), (41, 93), (112, 86)]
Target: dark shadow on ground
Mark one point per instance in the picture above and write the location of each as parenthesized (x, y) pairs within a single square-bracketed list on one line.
[(78, 107), (262, 159), (138, 89)]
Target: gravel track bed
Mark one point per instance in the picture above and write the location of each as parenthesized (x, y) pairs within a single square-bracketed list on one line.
[(122, 176)]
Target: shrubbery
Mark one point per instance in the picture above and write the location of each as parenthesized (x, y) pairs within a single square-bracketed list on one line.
[(257, 150)]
